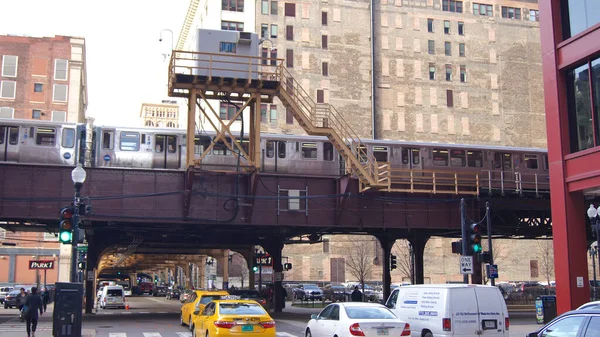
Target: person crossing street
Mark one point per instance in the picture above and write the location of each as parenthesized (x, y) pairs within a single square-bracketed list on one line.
[(33, 304)]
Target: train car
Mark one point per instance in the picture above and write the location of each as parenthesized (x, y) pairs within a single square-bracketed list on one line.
[(41, 142)]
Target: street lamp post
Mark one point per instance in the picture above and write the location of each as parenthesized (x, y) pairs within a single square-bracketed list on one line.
[(592, 213), (78, 176), (161, 38), (593, 252)]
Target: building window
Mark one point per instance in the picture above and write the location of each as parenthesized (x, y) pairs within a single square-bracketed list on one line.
[(59, 116), (232, 5), (290, 9), (60, 69), (227, 111), (60, 93), (534, 15), (263, 113), (274, 7), (448, 72), (430, 25), (6, 112), (273, 57), (227, 47), (320, 96), (482, 9), (431, 46), (461, 49), (289, 33), (452, 6), (511, 13), (582, 14), (265, 56), (273, 114), (448, 48), (264, 30), (264, 7), (446, 27), (449, 99), (9, 65), (289, 58), (325, 67), (584, 117), (325, 245), (324, 41), (232, 25), (273, 31), (461, 28), (38, 87), (463, 74), (36, 114), (289, 117), (324, 18), (432, 71), (8, 89)]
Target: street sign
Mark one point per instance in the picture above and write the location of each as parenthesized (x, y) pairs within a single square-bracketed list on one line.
[(492, 270), (41, 264), (466, 265), (265, 260), (82, 248)]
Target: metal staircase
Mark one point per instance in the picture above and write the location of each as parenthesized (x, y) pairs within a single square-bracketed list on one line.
[(320, 119)]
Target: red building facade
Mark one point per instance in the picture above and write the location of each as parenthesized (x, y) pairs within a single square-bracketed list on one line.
[(570, 33)]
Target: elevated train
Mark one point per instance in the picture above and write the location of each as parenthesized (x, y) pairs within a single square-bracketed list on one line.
[(55, 143)]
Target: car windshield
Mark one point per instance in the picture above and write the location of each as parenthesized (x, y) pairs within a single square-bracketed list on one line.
[(246, 293), (207, 298), (369, 313), (310, 286), (241, 309)]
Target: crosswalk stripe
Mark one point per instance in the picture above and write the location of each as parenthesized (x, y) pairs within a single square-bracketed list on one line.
[(152, 334), (284, 334), (184, 334), (117, 334)]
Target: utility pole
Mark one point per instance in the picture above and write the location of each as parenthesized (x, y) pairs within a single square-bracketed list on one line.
[(465, 234), (489, 233)]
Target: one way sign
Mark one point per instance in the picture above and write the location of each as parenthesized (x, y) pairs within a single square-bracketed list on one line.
[(466, 265)]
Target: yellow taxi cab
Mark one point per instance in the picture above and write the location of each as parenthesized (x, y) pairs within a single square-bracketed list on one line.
[(233, 318), (196, 302)]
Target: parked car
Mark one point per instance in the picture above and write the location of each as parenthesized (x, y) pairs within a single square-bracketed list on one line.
[(112, 297), (10, 301), (146, 288), (249, 294), (357, 318), (574, 323), (307, 292), (335, 292), (173, 294), (3, 292), (590, 305), (160, 291)]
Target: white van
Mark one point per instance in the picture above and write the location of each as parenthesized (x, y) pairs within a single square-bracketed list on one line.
[(112, 297), (451, 310)]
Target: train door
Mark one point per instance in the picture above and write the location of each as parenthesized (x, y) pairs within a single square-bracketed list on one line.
[(9, 143), (504, 171), (411, 158), (165, 154), (275, 153)]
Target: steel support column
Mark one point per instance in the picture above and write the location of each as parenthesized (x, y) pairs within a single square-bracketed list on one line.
[(275, 248), (191, 128), (418, 242), (386, 243), (90, 285), (255, 132)]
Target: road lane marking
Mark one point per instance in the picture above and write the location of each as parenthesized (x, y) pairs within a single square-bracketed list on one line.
[(184, 334), (152, 334), (117, 334), (284, 334)]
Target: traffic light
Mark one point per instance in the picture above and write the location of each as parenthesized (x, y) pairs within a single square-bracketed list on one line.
[(81, 265), (393, 263), (65, 233), (287, 266), (255, 266), (475, 239)]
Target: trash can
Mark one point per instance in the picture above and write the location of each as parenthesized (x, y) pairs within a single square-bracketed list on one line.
[(545, 308)]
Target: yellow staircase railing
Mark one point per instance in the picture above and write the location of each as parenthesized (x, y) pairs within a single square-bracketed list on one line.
[(321, 119)]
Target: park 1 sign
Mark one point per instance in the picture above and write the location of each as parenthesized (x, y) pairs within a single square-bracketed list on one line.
[(466, 265), (264, 260), (41, 264)]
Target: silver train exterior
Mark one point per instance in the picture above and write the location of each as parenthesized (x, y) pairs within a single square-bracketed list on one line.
[(42, 142)]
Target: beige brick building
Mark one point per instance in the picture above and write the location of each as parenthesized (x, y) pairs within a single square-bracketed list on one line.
[(160, 115)]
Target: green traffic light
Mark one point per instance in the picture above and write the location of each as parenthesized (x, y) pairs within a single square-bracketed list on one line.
[(65, 237), (476, 248), (255, 269)]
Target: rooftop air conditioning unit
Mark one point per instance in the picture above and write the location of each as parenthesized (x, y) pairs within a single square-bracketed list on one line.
[(245, 38)]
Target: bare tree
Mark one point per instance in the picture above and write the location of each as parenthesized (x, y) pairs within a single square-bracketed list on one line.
[(238, 267), (403, 252), (546, 253), (359, 260)]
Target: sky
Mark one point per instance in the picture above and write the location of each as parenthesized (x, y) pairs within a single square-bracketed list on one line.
[(125, 63)]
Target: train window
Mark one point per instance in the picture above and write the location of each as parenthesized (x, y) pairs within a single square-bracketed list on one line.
[(45, 136), (244, 145), (362, 153), (380, 153), (475, 158), (416, 156), (201, 144), (159, 142), (458, 158), (281, 149), (531, 161), (405, 159), (440, 157), (309, 150), (13, 136), (107, 140), (2, 134), (545, 162), (68, 138), (220, 149), (130, 141), (270, 149), (172, 144), (327, 151)]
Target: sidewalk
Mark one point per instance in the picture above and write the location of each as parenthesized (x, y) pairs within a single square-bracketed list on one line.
[(15, 328)]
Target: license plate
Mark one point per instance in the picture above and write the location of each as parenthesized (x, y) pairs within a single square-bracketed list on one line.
[(489, 324), (382, 332), (247, 328)]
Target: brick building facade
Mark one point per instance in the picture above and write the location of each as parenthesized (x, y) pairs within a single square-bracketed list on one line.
[(43, 78)]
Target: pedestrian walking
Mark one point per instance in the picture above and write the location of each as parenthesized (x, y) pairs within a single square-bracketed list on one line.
[(21, 303), (45, 298), (33, 304), (356, 295)]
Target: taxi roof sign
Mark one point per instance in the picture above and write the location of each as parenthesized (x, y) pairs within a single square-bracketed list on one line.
[(231, 297)]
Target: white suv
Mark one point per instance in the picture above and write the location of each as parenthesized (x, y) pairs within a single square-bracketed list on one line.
[(3, 292)]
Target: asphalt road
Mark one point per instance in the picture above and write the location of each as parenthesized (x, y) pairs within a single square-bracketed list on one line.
[(158, 317)]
